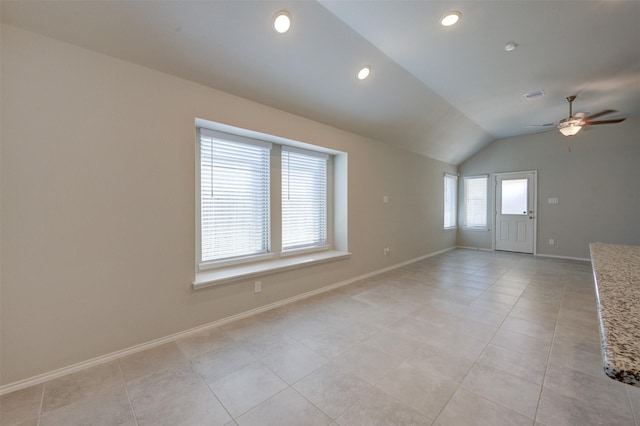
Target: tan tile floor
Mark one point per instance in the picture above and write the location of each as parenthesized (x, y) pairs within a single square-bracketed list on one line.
[(463, 338)]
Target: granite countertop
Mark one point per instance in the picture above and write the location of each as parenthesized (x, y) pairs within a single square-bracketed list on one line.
[(616, 270)]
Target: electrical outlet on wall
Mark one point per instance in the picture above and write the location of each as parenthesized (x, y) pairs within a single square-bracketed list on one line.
[(386, 251), (257, 286)]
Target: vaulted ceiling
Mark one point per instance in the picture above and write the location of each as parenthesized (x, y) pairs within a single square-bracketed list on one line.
[(440, 92)]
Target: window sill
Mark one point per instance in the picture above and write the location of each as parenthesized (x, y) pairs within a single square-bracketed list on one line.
[(476, 229), (239, 272)]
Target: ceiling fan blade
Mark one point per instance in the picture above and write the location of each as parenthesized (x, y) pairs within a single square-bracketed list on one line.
[(615, 120), (542, 125), (542, 130), (599, 114)]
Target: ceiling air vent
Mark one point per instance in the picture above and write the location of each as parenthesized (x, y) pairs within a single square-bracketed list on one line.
[(534, 95)]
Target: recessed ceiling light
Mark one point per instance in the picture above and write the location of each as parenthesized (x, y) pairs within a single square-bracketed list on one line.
[(282, 22), (364, 72), (511, 46), (450, 18)]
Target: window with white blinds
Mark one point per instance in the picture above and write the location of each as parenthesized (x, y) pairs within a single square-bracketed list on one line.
[(260, 200), (475, 201), (450, 200), (304, 199), (234, 196)]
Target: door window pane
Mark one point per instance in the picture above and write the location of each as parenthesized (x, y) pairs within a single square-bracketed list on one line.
[(514, 196)]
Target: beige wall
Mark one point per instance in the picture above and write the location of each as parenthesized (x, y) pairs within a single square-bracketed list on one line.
[(596, 185), (98, 205)]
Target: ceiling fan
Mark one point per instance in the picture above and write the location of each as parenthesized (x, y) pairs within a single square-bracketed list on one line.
[(574, 123)]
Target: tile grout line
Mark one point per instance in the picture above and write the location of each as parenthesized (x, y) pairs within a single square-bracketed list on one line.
[(195, 370), (553, 338), (633, 413), (126, 389), (41, 403), (290, 386)]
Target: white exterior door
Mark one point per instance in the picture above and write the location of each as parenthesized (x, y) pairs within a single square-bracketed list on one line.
[(515, 212)]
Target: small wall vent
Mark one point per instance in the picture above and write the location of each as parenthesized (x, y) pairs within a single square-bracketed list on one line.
[(534, 95)]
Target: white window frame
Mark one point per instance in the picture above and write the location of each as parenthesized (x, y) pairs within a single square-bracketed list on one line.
[(450, 197), (335, 246), (468, 181), (249, 145)]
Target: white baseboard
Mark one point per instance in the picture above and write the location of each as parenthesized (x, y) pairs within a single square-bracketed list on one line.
[(45, 377), (584, 259), (474, 248)]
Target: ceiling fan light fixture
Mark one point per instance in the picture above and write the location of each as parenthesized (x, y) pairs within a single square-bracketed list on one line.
[(450, 18), (570, 127), (570, 130), (281, 22)]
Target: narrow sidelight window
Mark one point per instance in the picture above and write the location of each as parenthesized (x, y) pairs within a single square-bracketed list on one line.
[(475, 201), (450, 201)]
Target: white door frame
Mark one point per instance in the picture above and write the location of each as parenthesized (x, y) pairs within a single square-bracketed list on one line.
[(535, 205)]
